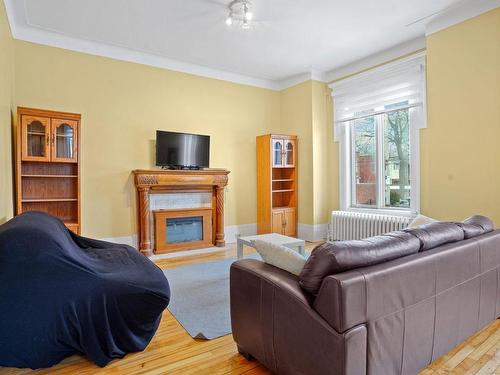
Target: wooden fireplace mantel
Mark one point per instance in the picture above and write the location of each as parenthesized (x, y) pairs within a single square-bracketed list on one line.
[(157, 180)]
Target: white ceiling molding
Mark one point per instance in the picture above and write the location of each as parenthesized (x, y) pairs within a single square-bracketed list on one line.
[(459, 14), (377, 59), (267, 75), (313, 75), (22, 31), (26, 33), (295, 80)]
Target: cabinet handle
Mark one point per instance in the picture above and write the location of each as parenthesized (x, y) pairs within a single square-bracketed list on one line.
[(48, 139), (53, 139)]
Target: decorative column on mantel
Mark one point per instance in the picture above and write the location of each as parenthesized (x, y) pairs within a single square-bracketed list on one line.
[(164, 181), (219, 224), (144, 232)]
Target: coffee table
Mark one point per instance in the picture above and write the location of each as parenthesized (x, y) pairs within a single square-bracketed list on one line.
[(274, 238)]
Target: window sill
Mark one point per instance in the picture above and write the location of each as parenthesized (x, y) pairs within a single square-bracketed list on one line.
[(383, 211)]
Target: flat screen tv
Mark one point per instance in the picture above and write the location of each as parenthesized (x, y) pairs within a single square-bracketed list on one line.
[(182, 150)]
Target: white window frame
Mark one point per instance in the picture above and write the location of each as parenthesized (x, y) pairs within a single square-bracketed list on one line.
[(417, 121)]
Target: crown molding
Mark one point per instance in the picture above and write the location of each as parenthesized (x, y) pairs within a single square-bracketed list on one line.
[(459, 14), (312, 75), (124, 54), (21, 30), (294, 80), (376, 59), (382, 71)]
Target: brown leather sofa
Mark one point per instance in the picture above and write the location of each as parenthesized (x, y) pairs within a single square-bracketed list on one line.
[(404, 307)]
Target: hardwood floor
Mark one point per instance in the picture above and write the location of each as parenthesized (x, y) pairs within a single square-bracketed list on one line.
[(173, 351)]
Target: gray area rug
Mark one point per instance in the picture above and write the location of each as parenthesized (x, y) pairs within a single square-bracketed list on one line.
[(200, 297)]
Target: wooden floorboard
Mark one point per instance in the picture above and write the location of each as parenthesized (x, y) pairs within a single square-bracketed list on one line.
[(173, 351)]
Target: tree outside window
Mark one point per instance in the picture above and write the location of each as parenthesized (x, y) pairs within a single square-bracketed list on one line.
[(393, 149)]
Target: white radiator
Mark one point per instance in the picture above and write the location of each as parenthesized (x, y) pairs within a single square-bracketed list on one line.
[(347, 225)]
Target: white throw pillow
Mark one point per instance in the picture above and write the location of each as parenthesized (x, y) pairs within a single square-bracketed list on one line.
[(421, 220), (280, 256)]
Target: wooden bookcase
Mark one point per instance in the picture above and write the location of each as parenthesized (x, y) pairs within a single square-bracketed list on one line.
[(277, 184), (48, 164)]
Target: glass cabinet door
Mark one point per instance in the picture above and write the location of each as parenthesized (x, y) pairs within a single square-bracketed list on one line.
[(277, 152), (35, 133), (64, 140), (289, 153)]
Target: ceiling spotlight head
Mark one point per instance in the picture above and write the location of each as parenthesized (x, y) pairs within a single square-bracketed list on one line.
[(240, 12), (247, 14)]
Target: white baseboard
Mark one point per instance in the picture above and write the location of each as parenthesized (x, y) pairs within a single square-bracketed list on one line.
[(310, 232), (306, 232), (176, 254), (127, 240), (231, 233)]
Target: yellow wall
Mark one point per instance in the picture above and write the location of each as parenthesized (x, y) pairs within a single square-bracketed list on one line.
[(296, 117), (325, 155), (122, 104), (306, 112), (6, 92), (460, 149)]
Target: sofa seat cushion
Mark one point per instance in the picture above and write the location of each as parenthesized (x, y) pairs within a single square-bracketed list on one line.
[(339, 256)]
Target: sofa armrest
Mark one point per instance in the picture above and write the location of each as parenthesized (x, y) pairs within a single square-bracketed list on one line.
[(279, 278), (341, 300), (273, 320)]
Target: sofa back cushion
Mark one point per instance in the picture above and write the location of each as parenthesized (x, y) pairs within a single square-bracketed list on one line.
[(335, 257), (436, 234), (332, 258), (476, 225)]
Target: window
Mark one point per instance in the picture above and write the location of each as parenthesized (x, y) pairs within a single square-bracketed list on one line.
[(377, 118)]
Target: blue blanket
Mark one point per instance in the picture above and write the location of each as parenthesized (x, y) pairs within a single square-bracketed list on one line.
[(62, 294)]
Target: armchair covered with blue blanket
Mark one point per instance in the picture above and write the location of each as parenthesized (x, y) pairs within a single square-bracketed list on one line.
[(62, 294)]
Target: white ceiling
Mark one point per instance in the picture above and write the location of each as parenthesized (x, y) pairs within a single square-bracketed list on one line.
[(288, 38)]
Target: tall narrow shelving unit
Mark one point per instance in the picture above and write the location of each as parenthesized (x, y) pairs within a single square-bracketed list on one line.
[(48, 164), (277, 184)]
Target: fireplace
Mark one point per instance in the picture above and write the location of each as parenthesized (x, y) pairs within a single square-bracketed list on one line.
[(184, 229), (172, 191)]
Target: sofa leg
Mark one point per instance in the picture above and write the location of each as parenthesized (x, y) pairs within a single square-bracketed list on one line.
[(245, 354)]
